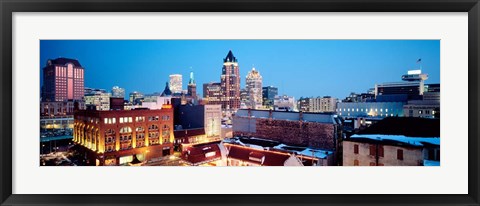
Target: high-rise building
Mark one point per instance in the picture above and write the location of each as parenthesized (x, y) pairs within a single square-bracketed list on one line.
[(212, 93), (268, 94), (63, 80), (118, 92), (230, 83), (192, 87), (176, 83), (254, 89)]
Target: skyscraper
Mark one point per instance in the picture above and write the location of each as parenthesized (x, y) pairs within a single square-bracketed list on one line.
[(192, 87), (176, 83), (118, 92), (230, 83), (254, 89), (63, 80), (269, 93)]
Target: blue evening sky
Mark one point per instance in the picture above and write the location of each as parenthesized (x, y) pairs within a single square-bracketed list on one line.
[(297, 67)]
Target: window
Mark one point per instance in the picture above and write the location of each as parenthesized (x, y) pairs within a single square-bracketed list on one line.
[(380, 151), (399, 154), (355, 149)]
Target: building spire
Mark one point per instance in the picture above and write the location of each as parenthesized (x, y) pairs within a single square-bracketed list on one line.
[(230, 57), (192, 79)]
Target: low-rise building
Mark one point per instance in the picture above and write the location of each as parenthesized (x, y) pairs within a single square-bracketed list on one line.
[(117, 137), (389, 143), (208, 154)]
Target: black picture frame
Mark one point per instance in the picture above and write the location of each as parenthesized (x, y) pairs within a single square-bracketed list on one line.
[(7, 8)]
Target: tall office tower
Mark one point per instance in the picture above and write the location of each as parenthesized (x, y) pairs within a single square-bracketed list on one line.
[(254, 89), (268, 94), (63, 80), (176, 83), (192, 87), (118, 92), (230, 83)]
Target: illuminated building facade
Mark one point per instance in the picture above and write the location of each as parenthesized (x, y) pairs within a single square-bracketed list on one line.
[(230, 83), (135, 98), (118, 92), (176, 83), (63, 79), (254, 89), (213, 93), (118, 137), (98, 98)]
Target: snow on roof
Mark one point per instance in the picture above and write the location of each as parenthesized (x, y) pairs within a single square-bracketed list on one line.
[(431, 163), (318, 153), (417, 141)]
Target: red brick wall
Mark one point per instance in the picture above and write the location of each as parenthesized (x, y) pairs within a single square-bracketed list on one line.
[(299, 133)]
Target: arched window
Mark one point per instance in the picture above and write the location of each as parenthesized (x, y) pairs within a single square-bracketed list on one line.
[(139, 129), (166, 133), (125, 130), (153, 127)]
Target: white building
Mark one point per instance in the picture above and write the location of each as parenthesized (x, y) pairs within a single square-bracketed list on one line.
[(118, 92), (98, 98), (176, 83), (254, 89), (158, 103), (284, 103), (213, 121), (318, 104)]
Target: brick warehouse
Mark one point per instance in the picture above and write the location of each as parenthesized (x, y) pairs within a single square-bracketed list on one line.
[(118, 137), (316, 130)]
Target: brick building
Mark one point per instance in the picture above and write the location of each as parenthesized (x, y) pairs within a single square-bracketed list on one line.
[(118, 137), (316, 130)]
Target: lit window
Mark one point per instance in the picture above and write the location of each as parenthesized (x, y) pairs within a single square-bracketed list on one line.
[(105, 120), (386, 110), (121, 120), (130, 119), (381, 110), (113, 121)]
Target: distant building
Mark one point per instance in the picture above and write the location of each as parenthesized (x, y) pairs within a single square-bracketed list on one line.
[(135, 98), (422, 108), (213, 121), (268, 95), (230, 83), (244, 99), (98, 98), (176, 83), (192, 87), (254, 89), (363, 97), (63, 79), (387, 143), (62, 108), (213, 93), (318, 104), (118, 137), (370, 109), (284, 103), (118, 92), (246, 156)]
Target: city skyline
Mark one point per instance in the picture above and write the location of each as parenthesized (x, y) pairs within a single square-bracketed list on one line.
[(358, 64)]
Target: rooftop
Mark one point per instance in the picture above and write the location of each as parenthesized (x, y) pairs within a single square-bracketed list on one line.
[(63, 61), (407, 126), (397, 140), (329, 118)]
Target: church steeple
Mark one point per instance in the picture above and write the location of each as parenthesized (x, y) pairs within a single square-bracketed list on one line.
[(230, 57)]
